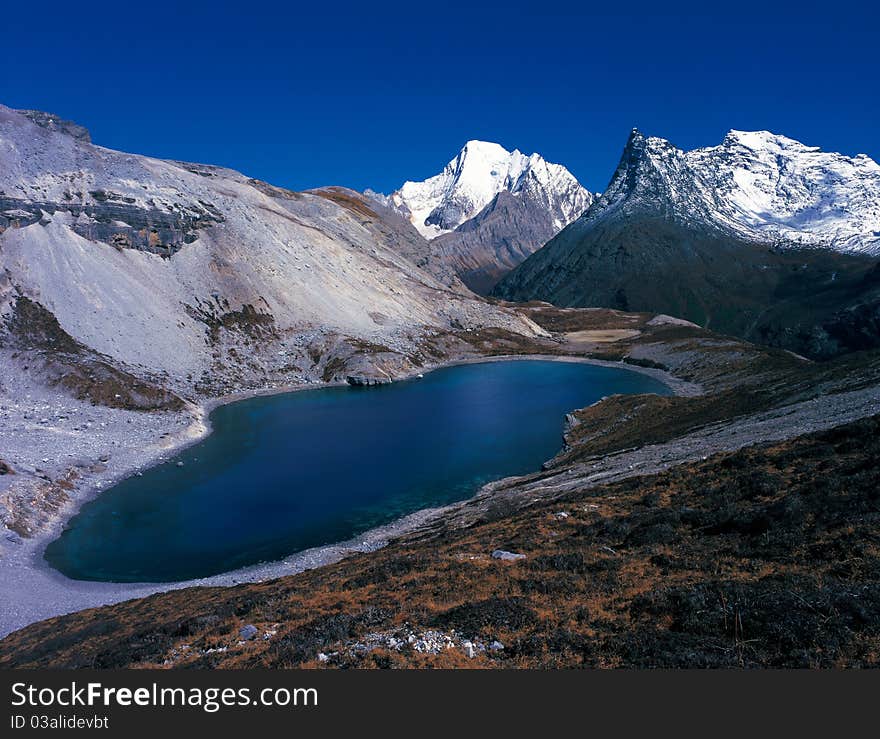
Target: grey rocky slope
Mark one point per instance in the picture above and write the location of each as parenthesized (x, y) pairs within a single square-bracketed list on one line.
[(489, 209), (204, 280), (760, 237)]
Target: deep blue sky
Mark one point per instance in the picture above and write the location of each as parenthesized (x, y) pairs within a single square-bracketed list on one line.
[(368, 94)]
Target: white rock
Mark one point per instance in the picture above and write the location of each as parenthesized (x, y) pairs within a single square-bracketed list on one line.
[(507, 556)]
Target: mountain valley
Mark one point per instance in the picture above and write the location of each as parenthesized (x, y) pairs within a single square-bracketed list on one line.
[(725, 522)]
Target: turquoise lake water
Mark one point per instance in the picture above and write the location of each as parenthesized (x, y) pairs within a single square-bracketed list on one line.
[(284, 473)]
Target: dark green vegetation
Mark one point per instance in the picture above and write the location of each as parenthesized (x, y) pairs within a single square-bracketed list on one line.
[(764, 557), (814, 302)]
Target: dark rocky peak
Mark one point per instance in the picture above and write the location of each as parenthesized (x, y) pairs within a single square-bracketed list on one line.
[(631, 162), (53, 122), (642, 179)]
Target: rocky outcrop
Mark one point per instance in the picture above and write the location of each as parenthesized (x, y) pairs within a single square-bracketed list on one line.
[(367, 381), (506, 556), (53, 122), (109, 218)]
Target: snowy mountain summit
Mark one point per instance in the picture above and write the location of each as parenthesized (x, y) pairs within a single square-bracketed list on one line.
[(489, 209), (473, 179), (755, 185)]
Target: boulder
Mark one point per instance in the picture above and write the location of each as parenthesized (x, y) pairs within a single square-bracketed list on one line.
[(248, 632), (367, 380), (507, 556)]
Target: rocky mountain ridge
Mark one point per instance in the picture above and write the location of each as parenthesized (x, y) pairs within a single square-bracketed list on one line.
[(758, 186)]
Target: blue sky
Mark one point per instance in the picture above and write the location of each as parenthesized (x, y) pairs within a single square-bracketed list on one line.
[(368, 94)]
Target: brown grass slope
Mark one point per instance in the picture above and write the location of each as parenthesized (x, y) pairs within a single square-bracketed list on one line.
[(759, 558)]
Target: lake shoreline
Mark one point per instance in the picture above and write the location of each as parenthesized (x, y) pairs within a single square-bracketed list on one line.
[(60, 594)]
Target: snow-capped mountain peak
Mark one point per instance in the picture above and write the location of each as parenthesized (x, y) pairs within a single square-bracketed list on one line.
[(757, 185), (470, 181), (764, 140)]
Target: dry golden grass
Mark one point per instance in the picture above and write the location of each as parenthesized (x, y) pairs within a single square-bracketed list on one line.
[(601, 336), (347, 199)]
